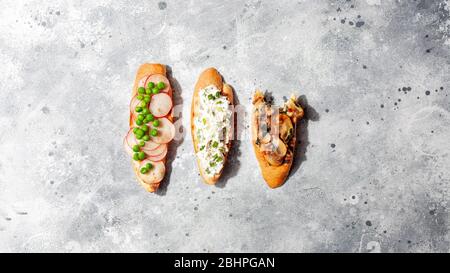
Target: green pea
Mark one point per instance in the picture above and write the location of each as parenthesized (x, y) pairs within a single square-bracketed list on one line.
[(141, 117), (144, 170), (143, 104), (148, 91), (141, 155), (135, 129), (161, 85), (149, 166), (139, 132), (141, 90), (136, 148), (140, 97), (144, 128), (155, 90), (151, 85), (146, 137), (139, 122), (154, 132), (147, 99), (138, 136), (142, 142), (156, 123), (139, 109), (145, 111), (136, 156), (150, 117)]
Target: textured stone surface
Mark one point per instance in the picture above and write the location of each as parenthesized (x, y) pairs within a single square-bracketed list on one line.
[(373, 172)]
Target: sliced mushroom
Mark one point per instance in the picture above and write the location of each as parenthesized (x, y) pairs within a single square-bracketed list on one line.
[(261, 128), (258, 97), (274, 152), (293, 110), (266, 139), (286, 128)]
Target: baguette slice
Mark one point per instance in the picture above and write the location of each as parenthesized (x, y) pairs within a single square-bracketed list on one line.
[(208, 77), (147, 69), (275, 174)]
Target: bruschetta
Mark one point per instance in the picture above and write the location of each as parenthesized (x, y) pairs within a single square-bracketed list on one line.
[(211, 124), (151, 125), (274, 137)]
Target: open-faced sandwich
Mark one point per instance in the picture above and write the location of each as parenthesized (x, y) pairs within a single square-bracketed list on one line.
[(211, 124), (151, 127), (274, 137)]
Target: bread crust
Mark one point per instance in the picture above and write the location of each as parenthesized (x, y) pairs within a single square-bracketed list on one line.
[(210, 76), (143, 70), (275, 176)]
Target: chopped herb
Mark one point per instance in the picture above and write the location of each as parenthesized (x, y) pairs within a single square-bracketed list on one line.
[(215, 144), (212, 164), (210, 97), (201, 148), (218, 94)]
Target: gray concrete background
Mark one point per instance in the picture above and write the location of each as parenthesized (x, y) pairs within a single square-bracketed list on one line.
[(373, 168)]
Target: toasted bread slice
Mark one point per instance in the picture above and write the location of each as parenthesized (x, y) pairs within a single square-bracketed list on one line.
[(208, 77), (144, 70), (275, 174)]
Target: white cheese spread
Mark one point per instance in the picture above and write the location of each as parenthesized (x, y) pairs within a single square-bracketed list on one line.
[(212, 129)]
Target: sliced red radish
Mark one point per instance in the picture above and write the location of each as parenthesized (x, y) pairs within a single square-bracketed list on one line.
[(155, 174), (157, 78), (166, 131), (150, 146), (127, 147), (160, 105), (143, 81), (134, 102), (160, 149), (130, 141), (161, 156)]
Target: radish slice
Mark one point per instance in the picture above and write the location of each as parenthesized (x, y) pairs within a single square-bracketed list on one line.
[(156, 78), (143, 81), (166, 131), (160, 105), (156, 173), (150, 146), (127, 147), (159, 150), (134, 102), (161, 156), (130, 141)]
